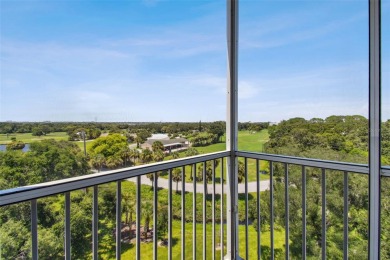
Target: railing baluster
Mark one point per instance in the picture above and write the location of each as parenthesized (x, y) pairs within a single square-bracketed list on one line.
[(194, 212), (271, 188), (34, 230), (303, 212), (246, 208), (346, 210), (258, 208), (221, 213), (118, 219), (138, 223), (183, 213), (204, 177), (155, 212), (287, 210), (170, 214), (213, 211), (323, 189), (95, 223), (67, 226)]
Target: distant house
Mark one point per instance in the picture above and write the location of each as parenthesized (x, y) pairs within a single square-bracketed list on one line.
[(159, 137), (170, 145)]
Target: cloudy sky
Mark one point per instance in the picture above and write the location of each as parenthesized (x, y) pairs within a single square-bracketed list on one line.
[(166, 60)]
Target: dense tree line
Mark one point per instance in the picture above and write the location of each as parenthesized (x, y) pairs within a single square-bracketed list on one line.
[(338, 138), (171, 128), (47, 160), (252, 126)]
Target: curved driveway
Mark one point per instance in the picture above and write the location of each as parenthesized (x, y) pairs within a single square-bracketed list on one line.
[(189, 187)]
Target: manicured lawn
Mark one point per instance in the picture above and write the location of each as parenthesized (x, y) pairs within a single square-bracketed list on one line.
[(252, 141), (247, 141), (80, 144), (128, 251), (28, 137)]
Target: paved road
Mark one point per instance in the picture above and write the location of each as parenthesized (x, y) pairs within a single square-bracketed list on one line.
[(189, 187)]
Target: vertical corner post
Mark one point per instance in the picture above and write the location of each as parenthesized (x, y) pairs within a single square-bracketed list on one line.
[(232, 129), (374, 127)]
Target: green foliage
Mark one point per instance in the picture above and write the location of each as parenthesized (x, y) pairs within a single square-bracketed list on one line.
[(112, 148), (15, 145), (218, 129), (37, 131), (146, 155), (142, 135), (151, 177), (338, 133), (162, 222), (157, 145), (176, 177), (191, 152), (337, 138), (75, 134), (158, 155), (175, 155), (203, 139), (47, 160), (14, 239)]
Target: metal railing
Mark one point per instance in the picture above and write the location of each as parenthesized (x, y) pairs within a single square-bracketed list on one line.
[(34, 192), (324, 166)]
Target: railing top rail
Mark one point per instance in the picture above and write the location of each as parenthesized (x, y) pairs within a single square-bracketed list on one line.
[(25, 193), (385, 171), (331, 165), (35, 191)]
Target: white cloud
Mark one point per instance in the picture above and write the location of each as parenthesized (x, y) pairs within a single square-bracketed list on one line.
[(283, 29), (247, 90)]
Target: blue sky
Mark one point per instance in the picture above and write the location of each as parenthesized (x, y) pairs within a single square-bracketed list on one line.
[(166, 60)]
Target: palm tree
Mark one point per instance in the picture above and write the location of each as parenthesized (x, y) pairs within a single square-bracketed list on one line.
[(147, 213), (151, 176), (146, 155), (134, 153), (241, 172), (162, 222), (176, 177), (125, 154), (158, 156), (175, 155), (191, 152), (157, 145), (138, 140), (114, 162), (128, 207), (98, 161), (210, 165)]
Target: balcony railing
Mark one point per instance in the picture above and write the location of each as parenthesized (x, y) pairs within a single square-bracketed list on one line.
[(209, 246), (373, 172)]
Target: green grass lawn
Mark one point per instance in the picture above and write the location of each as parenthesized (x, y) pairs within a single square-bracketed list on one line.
[(80, 144), (252, 141), (247, 141), (28, 137), (128, 251)]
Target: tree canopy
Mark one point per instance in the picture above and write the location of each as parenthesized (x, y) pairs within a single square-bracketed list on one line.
[(110, 148)]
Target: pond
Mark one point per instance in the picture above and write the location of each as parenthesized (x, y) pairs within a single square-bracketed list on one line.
[(3, 147)]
